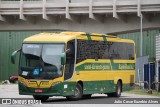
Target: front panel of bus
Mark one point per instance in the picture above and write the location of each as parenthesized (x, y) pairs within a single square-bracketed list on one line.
[(40, 69)]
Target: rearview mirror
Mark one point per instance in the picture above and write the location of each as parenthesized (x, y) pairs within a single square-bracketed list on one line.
[(13, 56), (63, 58)]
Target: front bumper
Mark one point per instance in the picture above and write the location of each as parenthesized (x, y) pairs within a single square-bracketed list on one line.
[(57, 90)]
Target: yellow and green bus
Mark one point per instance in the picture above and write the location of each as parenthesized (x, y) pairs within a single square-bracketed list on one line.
[(75, 65)]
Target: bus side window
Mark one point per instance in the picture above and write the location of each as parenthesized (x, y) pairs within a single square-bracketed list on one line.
[(114, 51), (104, 50), (120, 50), (130, 50)]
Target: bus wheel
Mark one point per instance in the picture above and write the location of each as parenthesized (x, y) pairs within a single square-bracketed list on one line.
[(118, 91), (77, 93), (39, 97)]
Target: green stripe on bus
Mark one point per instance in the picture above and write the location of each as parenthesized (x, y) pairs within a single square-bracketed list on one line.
[(105, 66), (88, 36), (104, 38)]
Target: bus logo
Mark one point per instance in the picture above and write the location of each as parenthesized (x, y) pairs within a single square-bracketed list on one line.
[(6, 101)]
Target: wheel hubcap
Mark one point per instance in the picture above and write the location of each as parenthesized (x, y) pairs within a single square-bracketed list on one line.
[(119, 89), (76, 93)]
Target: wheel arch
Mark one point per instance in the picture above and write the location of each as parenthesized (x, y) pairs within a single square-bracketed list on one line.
[(81, 83), (120, 80)]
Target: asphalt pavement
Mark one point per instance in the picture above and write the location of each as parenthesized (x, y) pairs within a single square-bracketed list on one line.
[(11, 91)]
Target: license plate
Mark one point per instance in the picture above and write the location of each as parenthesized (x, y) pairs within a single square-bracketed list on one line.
[(38, 90)]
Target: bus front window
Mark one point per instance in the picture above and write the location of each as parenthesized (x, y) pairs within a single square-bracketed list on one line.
[(41, 61), (51, 55)]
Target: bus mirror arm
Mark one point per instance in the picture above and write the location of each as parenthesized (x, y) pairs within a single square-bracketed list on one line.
[(63, 58), (13, 56), (68, 50)]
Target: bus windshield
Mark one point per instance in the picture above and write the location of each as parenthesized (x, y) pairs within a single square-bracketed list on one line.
[(41, 61)]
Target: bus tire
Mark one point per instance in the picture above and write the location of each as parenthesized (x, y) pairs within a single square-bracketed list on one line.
[(118, 90), (77, 93), (39, 97)]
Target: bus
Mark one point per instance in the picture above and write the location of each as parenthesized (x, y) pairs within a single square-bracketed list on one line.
[(75, 65)]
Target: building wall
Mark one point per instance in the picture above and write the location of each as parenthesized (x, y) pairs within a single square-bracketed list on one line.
[(148, 42), (11, 41)]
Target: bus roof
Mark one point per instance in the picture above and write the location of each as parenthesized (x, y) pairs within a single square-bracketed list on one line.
[(49, 37), (66, 36)]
